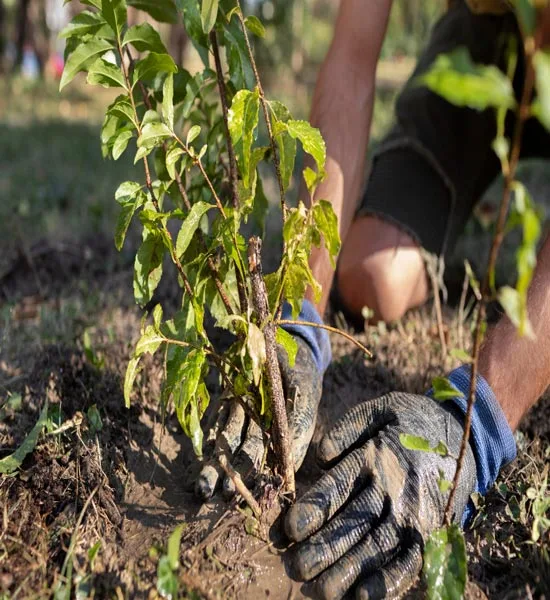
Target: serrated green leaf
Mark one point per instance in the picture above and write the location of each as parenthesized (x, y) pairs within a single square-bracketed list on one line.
[(456, 78), (121, 143), (240, 68), (150, 341), (152, 134), (82, 57), (163, 11), (153, 64), (193, 134), (443, 390), (312, 141), (148, 268), (13, 461), (255, 345), (254, 25), (445, 567), (114, 12), (105, 74), (327, 223), (286, 145), (190, 225), (209, 12), (84, 23), (243, 121), (142, 153), (287, 341), (144, 38), (168, 100), (193, 25), (122, 108)]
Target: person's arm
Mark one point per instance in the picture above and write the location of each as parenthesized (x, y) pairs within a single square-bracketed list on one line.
[(518, 369), (342, 109)]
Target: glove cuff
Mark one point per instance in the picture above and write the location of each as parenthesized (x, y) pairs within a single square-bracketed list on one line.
[(317, 339)]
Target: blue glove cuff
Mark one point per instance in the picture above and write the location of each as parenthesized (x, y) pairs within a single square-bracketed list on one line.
[(491, 438), (317, 339)]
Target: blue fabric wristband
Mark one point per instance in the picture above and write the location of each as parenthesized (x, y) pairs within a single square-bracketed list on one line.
[(492, 439), (317, 339)]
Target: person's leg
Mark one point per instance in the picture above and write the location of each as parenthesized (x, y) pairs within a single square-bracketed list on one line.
[(431, 169)]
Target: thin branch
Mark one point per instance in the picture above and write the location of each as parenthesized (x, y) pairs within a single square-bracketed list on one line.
[(240, 486), (509, 175), (266, 113), (348, 337), (280, 430)]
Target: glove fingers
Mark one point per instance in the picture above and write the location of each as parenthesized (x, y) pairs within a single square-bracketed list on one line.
[(356, 426), (330, 493), (339, 535), (374, 550), (226, 442), (248, 458), (393, 580)]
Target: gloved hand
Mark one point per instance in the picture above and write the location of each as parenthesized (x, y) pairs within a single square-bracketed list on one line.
[(303, 385), (365, 521)]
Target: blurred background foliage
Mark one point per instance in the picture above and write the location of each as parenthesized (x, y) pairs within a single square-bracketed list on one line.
[(54, 183)]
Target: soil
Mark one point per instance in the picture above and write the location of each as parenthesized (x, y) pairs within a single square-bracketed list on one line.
[(127, 482)]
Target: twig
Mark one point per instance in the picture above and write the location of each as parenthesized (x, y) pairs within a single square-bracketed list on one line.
[(281, 434), (435, 278), (240, 486), (327, 328), (461, 308), (509, 174), (266, 113)]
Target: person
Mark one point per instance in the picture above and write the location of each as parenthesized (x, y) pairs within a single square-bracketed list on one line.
[(362, 526)]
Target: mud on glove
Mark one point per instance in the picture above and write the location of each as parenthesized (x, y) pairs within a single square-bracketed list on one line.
[(303, 383), (364, 523)]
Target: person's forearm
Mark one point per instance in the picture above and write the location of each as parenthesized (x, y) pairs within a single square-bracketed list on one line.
[(342, 109), (518, 369)]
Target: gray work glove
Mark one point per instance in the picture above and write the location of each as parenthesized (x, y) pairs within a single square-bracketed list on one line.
[(242, 437), (364, 523)]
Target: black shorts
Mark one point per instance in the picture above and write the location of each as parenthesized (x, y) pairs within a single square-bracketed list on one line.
[(437, 160)]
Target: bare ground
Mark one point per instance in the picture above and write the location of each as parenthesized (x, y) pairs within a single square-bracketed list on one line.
[(123, 486)]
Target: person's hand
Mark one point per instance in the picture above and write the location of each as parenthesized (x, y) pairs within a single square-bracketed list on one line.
[(365, 521), (242, 438)]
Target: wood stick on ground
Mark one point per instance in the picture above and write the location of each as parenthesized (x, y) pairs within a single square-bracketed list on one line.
[(240, 486), (280, 431)]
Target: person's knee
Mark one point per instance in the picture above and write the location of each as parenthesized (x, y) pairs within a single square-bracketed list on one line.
[(384, 271)]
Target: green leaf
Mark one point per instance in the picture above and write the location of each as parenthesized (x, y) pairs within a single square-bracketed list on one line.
[(243, 121), (114, 12), (240, 68), (255, 345), (122, 108), (526, 13), (193, 26), (148, 268), (286, 145), (415, 442), (167, 581), (84, 23), (172, 158), (193, 134), (106, 74), (121, 143), (144, 38), (443, 390), (129, 378), (94, 419), (327, 222), (173, 549), (209, 12), (458, 80), (130, 197), (12, 462), (92, 553), (254, 25), (190, 225), (82, 57), (443, 484), (445, 567), (153, 64), (515, 309), (152, 135), (168, 100), (163, 11), (287, 341), (541, 105), (311, 140), (149, 341)]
